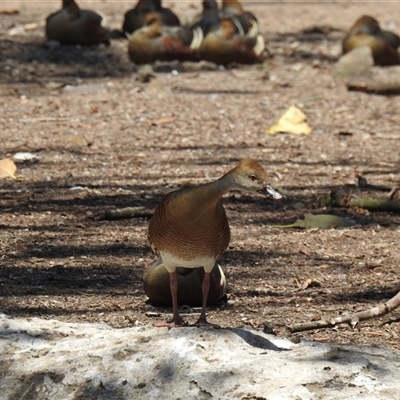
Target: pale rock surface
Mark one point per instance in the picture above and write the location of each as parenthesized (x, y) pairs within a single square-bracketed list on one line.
[(43, 359), (357, 62)]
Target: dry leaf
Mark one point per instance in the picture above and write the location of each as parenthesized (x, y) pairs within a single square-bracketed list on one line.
[(324, 266), (292, 121), (82, 125), (160, 121), (25, 156), (117, 305), (7, 168), (305, 252), (31, 26), (307, 283), (16, 30), (51, 85)]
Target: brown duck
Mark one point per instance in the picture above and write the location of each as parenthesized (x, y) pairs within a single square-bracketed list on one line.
[(189, 228), (156, 285), (225, 45), (72, 25), (367, 32), (136, 18), (245, 21), (156, 41)]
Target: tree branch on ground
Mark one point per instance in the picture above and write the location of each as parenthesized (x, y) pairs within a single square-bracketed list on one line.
[(122, 213), (375, 87), (351, 319), (335, 199)]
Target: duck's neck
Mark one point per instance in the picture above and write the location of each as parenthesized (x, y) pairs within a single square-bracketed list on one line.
[(210, 5), (68, 3), (213, 191), (206, 194), (149, 5)]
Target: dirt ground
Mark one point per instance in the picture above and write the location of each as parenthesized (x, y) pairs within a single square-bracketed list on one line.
[(104, 140)]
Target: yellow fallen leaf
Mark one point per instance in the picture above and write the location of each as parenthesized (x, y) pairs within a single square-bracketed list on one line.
[(7, 168), (292, 121)]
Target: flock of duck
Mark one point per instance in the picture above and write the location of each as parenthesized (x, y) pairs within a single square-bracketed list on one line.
[(218, 34), (225, 35), (189, 229)]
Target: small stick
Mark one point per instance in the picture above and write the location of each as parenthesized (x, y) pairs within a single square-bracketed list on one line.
[(337, 200), (375, 87), (122, 213), (351, 319)]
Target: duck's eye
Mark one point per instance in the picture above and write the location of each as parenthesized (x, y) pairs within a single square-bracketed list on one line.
[(253, 177)]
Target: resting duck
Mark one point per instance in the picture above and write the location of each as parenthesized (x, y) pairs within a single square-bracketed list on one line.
[(156, 41), (244, 20), (72, 25), (225, 45), (157, 289), (136, 18), (367, 32)]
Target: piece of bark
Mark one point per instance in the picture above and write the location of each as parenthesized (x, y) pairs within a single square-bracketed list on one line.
[(351, 319), (127, 212), (374, 87), (9, 11), (338, 200)]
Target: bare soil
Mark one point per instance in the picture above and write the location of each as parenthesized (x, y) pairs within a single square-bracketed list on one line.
[(105, 140)]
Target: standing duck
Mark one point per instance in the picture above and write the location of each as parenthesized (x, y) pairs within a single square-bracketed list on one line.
[(156, 285), (72, 25), (367, 32), (225, 45), (156, 41), (189, 228), (136, 18)]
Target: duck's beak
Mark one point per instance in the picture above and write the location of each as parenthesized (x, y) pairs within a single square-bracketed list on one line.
[(270, 193)]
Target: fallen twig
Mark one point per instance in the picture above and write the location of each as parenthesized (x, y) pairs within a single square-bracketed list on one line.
[(335, 199), (351, 319), (127, 212), (375, 87)]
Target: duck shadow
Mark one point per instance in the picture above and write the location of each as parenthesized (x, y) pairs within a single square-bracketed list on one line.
[(214, 91), (36, 58), (255, 340)]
